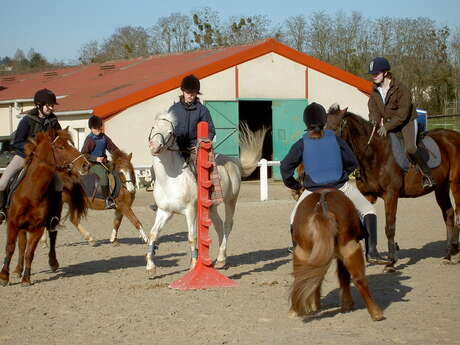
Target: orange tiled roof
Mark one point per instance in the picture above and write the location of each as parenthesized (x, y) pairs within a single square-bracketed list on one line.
[(111, 87)]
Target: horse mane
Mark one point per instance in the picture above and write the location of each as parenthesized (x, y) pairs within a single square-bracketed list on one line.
[(121, 159)]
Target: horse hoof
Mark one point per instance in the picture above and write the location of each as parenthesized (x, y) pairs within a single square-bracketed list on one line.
[(3, 282), (26, 283), (152, 272), (54, 267), (293, 315), (378, 317), (389, 269), (17, 274), (92, 243), (45, 245), (220, 265), (115, 243)]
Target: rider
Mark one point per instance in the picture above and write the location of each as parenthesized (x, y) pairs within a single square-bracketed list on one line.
[(94, 147), (189, 111), (38, 119), (391, 108), (328, 161)]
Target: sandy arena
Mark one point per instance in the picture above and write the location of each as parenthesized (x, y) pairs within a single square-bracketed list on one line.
[(101, 295)]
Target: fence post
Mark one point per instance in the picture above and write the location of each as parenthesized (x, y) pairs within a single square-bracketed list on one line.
[(263, 180), (203, 276)]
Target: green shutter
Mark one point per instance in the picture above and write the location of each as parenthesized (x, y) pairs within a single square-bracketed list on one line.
[(225, 117), (287, 128)]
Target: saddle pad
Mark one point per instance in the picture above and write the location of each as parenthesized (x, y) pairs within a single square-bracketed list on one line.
[(92, 188), (13, 183), (430, 151)]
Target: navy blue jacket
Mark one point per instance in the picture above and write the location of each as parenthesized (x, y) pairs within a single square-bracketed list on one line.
[(29, 126), (295, 157), (188, 116)]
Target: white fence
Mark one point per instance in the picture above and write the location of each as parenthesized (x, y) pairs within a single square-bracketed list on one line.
[(143, 175)]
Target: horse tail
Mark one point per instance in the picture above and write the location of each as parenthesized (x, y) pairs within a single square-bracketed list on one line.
[(311, 267), (78, 204), (251, 144)]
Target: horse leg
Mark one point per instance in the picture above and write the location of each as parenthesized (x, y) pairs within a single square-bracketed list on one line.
[(391, 205), (12, 234), (22, 244), (455, 187), (190, 216), (444, 202), (161, 219), (52, 259), (221, 236), (353, 260), (116, 225), (83, 232), (346, 300), (128, 212), (44, 240), (32, 242)]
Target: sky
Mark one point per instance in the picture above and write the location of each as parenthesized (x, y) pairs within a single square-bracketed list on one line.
[(58, 29)]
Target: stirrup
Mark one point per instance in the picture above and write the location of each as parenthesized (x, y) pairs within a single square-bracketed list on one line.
[(53, 223), (2, 216), (428, 181), (110, 204)]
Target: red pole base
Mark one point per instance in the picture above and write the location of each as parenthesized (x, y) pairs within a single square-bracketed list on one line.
[(202, 277)]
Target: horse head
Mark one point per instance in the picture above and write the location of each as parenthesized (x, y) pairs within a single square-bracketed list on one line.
[(122, 164), (162, 136)]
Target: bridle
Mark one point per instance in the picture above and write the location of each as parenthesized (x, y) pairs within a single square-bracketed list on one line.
[(171, 140), (65, 166), (343, 123)]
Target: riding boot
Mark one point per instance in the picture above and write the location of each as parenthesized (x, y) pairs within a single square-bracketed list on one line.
[(109, 203), (55, 214), (428, 180), (2, 206), (372, 255)]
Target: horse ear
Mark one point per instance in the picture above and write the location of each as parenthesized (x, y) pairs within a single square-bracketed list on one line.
[(67, 128), (130, 155)]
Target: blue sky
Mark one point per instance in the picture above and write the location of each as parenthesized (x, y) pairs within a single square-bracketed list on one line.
[(59, 28)]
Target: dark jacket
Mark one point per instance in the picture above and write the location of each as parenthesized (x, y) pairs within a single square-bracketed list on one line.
[(188, 116), (295, 157), (397, 110), (29, 126), (90, 144)]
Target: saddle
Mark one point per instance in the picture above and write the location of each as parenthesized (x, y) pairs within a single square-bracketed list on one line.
[(429, 148), (13, 183), (92, 187)]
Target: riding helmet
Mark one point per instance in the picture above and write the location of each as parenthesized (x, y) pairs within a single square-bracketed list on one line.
[(45, 96), (314, 116), (379, 64), (95, 122), (190, 84)]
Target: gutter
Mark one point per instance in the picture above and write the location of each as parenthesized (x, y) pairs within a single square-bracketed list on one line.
[(66, 113)]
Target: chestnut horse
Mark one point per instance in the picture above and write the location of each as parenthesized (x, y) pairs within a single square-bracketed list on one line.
[(32, 202), (327, 225), (121, 164), (380, 176)]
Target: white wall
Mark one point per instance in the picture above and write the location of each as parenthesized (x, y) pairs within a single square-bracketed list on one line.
[(271, 76), (327, 91)]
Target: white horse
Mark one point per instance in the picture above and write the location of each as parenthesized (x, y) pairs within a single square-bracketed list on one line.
[(175, 190)]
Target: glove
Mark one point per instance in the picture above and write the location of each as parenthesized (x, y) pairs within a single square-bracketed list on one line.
[(382, 131)]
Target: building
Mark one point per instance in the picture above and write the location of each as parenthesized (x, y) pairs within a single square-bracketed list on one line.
[(265, 83)]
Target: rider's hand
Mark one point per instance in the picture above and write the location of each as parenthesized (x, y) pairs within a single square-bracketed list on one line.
[(382, 131), (100, 159)]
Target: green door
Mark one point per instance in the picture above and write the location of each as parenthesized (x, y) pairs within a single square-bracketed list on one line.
[(225, 117), (287, 128)]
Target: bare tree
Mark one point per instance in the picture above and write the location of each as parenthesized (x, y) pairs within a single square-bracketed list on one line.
[(90, 53), (207, 31), (127, 42), (246, 29), (296, 33), (171, 34)]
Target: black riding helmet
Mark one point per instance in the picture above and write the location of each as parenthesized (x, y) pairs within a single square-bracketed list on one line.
[(95, 122), (314, 116), (45, 96), (190, 84), (379, 64)]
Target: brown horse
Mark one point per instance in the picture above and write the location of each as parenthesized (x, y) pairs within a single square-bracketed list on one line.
[(327, 225), (121, 163), (380, 176), (33, 201)]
